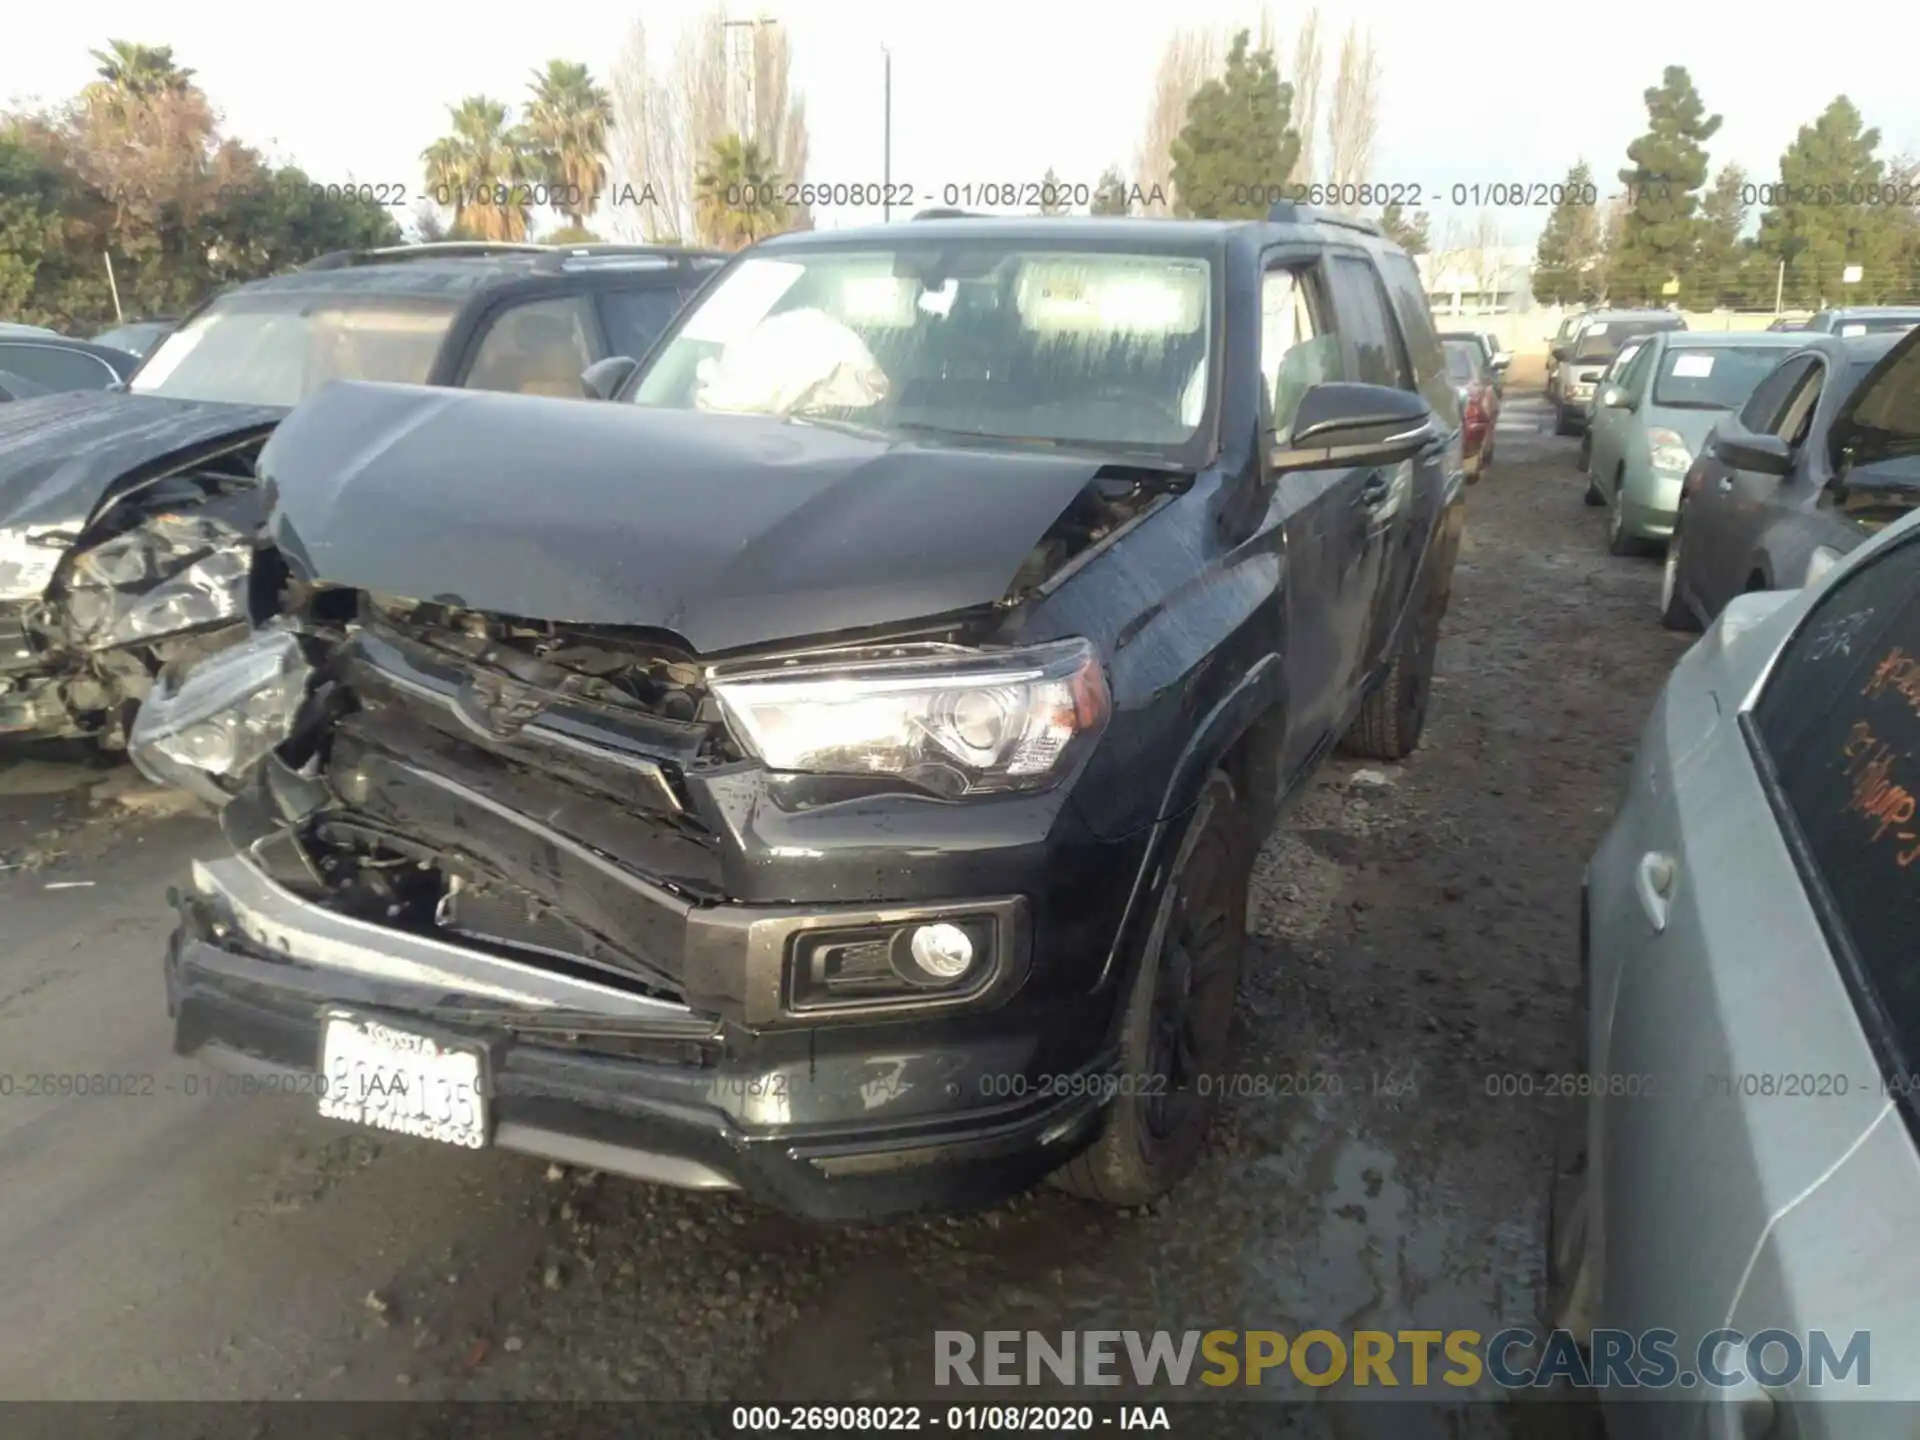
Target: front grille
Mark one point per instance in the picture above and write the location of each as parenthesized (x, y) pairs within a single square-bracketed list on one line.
[(517, 919)]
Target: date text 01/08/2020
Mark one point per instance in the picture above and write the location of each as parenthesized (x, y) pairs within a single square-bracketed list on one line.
[(128, 1084), (1770, 1084), (1231, 1084), (995, 1419)]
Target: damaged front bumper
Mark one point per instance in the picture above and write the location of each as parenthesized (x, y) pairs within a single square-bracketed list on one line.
[(838, 1121)]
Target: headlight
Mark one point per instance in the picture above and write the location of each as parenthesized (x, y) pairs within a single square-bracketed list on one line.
[(1670, 452), (203, 731), (1823, 559), (170, 574), (957, 723)]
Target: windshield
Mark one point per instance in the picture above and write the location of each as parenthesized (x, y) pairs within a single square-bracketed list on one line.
[(1602, 342), (277, 348), (1720, 378), (982, 339)]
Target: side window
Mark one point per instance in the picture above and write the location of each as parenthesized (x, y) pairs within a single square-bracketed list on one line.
[(1371, 342), (538, 348), (1298, 349), (1796, 418), (1416, 326), (1840, 721), (1770, 395), (635, 318), (1633, 378), (55, 368)]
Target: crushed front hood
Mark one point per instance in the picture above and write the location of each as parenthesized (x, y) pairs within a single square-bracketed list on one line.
[(726, 530), (60, 455)]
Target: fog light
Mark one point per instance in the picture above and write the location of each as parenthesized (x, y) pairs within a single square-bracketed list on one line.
[(943, 952)]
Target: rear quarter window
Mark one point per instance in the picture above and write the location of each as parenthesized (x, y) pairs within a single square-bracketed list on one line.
[(1838, 724)]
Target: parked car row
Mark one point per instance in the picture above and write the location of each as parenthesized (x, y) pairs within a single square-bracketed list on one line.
[(881, 692), (1746, 1153)]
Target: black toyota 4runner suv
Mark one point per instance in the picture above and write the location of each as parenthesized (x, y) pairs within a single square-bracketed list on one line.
[(124, 517), (831, 769)]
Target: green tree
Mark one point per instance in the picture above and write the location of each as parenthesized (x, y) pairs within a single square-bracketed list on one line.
[(37, 195), (480, 168), (1722, 272), (129, 69), (1820, 222), (568, 122), (1110, 195), (1238, 145), (281, 219), (573, 235), (1668, 166), (1567, 261), (1409, 232), (736, 195)]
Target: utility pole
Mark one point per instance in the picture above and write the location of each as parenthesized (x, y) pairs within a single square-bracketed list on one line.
[(742, 66), (886, 135)]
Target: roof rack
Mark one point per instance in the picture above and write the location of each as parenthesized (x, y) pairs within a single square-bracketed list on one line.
[(1290, 212), (432, 250), (625, 257), (943, 213)]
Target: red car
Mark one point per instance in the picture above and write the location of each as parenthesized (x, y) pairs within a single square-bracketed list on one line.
[(1479, 402)]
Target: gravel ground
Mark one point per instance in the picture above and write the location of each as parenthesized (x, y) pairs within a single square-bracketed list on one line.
[(1414, 941)]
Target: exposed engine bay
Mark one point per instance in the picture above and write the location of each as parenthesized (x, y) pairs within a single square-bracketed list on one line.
[(156, 579)]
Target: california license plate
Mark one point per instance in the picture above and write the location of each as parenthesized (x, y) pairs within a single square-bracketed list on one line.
[(400, 1080)]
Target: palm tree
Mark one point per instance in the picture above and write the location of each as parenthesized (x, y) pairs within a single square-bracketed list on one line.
[(129, 68), (568, 121), (477, 168), (736, 196)]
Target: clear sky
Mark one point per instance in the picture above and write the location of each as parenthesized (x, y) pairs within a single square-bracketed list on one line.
[(998, 90)]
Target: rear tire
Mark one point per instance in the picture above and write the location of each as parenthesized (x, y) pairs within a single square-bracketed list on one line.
[(1564, 422), (1593, 496), (1391, 718), (1179, 1013)]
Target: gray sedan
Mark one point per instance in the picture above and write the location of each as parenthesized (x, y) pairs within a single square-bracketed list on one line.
[(1752, 920), (1818, 458), (1649, 420)]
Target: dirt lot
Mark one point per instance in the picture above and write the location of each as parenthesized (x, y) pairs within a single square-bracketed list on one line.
[(1415, 936)]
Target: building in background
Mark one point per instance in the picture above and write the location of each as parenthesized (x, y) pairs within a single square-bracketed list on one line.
[(1496, 280)]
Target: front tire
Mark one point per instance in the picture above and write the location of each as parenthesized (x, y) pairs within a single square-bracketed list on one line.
[(1179, 1012), (1619, 540), (1391, 718), (1675, 613)]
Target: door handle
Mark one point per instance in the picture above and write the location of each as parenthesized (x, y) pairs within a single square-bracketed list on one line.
[(1726, 484), (1653, 881)]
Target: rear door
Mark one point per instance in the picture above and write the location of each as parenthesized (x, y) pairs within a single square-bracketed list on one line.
[(1434, 476)]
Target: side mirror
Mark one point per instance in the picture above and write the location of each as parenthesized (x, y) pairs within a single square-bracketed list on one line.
[(1500, 363), (1763, 454), (603, 379), (1614, 398), (1559, 352), (1345, 424)]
